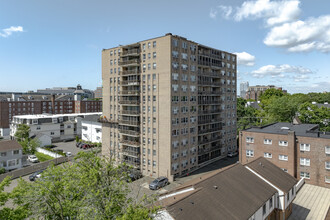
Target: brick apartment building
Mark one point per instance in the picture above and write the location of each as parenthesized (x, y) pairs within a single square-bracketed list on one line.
[(301, 150), (169, 105), (254, 92), (11, 105)]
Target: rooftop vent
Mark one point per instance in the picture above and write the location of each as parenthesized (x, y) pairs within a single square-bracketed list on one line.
[(285, 128), (215, 187)]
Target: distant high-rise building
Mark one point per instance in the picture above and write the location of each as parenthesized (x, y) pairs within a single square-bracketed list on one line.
[(243, 88), (98, 93), (169, 105)]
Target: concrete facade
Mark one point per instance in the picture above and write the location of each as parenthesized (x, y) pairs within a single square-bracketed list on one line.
[(169, 105), (91, 131)]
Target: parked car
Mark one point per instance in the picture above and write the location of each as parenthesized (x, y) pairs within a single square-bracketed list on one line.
[(232, 154), (134, 175), (68, 154), (35, 175), (33, 159), (158, 183)]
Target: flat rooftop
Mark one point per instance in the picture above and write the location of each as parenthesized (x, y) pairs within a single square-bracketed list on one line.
[(55, 115), (311, 202), (306, 130)]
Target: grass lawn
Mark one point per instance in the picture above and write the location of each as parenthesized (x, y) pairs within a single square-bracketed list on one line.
[(43, 157)]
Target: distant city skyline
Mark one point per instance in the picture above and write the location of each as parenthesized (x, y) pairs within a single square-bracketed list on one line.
[(47, 44)]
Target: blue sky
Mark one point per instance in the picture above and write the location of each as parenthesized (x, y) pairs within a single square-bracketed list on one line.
[(47, 43)]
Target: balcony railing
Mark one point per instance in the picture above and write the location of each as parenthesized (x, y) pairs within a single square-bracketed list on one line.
[(130, 52), (206, 112), (210, 93), (208, 121), (130, 112), (131, 153), (130, 72), (106, 121), (129, 102), (209, 140), (129, 132), (210, 130), (129, 62), (209, 102), (130, 82), (130, 143), (129, 92), (208, 83), (129, 122), (131, 160), (214, 74)]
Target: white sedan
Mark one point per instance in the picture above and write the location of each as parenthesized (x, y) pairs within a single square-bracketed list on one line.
[(33, 159)]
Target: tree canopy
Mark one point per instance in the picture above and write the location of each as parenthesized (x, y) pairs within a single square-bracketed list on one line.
[(90, 187), (279, 107)]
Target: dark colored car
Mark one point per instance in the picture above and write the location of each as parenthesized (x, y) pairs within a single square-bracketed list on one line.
[(135, 175), (35, 175), (232, 154), (158, 183)]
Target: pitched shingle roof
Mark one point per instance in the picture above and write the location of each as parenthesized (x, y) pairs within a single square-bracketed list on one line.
[(273, 174), (7, 145), (234, 193)]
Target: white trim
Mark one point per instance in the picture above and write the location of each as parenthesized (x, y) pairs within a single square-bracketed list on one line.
[(177, 193)]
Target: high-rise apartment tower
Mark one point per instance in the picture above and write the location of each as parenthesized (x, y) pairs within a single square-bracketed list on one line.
[(169, 105)]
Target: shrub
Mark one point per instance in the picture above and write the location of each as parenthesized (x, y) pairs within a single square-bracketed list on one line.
[(2, 170)]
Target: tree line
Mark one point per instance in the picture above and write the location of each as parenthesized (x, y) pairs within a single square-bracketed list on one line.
[(276, 106)]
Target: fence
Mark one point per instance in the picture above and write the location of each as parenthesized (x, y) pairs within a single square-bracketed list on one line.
[(34, 168), (49, 153)]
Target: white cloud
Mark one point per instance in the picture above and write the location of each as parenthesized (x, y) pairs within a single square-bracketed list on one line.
[(224, 10), (213, 13), (281, 71), (245, 59), (302, 36), (274, 12), (8, 31)]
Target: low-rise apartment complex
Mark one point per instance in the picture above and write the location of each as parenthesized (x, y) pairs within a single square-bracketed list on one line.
[(59, 127), (169, 105), (299, 149), (91, 129), (14, 104), (257, 191)]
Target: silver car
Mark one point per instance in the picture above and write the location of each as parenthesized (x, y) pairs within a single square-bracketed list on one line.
[(158, 183)]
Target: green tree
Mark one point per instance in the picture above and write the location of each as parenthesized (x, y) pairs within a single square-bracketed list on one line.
[(90, 187), (10, 213), (22, 134), (311, 114)]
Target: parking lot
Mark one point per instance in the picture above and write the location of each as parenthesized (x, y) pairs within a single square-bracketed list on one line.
[(68, 147)]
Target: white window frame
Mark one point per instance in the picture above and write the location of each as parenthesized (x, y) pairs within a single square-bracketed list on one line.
[(268, 141), (327, 149), (305, 175), (327, 179), (305, 147), (268, 155), (250, 153), (283, 157), (327, 165), (283, 143), (249, 139), (305, 162)]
